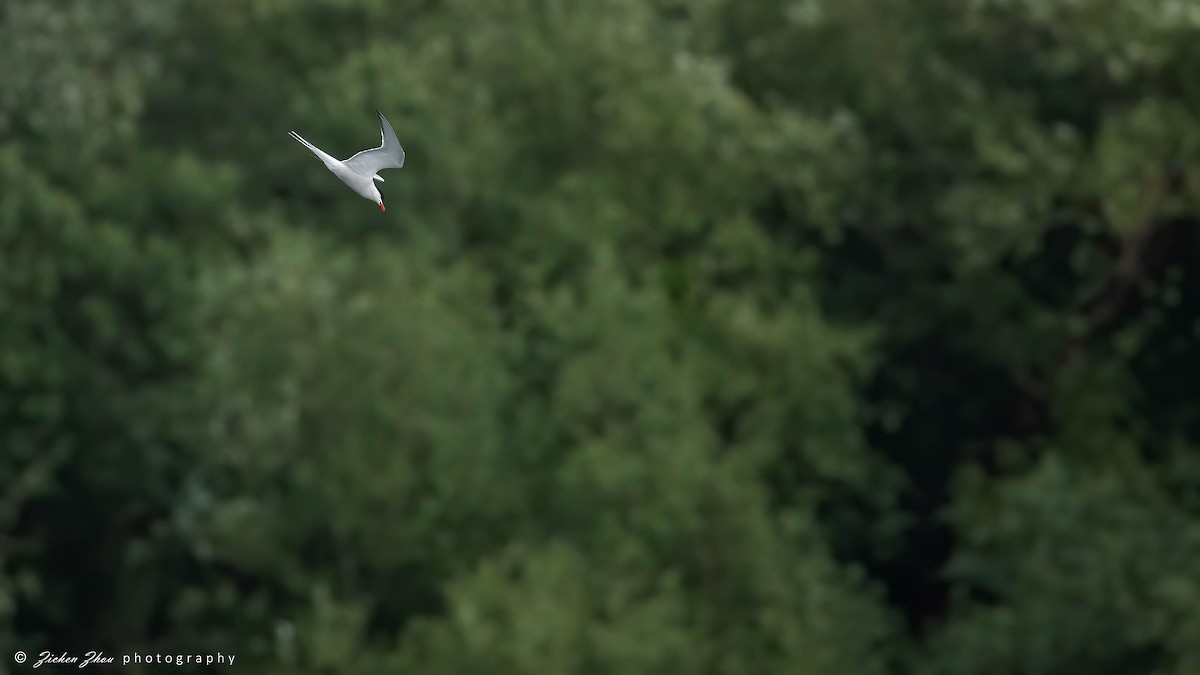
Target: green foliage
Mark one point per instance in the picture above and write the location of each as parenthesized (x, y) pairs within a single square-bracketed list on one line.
[(1069, 555), (723, 337)]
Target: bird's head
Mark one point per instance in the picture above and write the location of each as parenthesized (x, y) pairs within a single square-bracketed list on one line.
[(382, 208)]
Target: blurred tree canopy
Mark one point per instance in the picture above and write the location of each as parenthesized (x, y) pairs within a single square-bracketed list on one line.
[(720, 337)]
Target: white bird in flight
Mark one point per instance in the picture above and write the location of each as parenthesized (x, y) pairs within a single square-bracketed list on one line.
[(362, 170)]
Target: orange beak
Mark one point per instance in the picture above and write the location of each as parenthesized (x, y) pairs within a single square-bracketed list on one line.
[(382, 208)]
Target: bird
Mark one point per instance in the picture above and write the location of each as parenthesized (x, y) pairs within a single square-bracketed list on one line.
[(362, 170)]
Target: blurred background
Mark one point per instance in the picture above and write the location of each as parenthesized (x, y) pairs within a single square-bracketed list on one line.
[(786, 336)]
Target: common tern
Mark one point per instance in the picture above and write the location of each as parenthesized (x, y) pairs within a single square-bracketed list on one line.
[(362, 170)]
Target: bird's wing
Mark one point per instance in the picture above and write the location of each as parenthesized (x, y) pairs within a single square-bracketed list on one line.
[(389, 154), (321, 154)]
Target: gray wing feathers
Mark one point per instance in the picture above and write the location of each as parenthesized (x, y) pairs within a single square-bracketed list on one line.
[(389, 154)]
